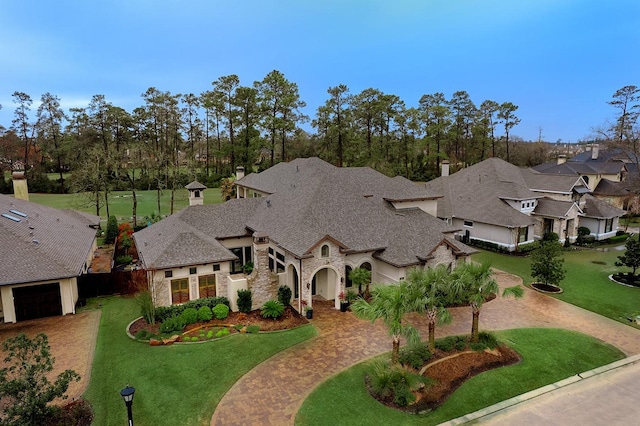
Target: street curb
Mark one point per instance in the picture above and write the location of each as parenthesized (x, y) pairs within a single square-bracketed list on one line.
[(495, 408)]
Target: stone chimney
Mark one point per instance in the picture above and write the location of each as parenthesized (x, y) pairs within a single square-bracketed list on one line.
[(445, 168), (239, 172), (262, 282), (595, 151), (562, 159), (20, 187), (196, 189)]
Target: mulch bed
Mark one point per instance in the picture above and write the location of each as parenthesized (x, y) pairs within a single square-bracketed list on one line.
[(289, 319), (449, 374)]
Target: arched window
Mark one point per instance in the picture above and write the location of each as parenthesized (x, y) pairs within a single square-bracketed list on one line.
[(324, 251), (347, 271)]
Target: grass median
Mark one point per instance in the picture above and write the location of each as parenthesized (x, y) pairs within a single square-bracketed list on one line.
[(549, 355)]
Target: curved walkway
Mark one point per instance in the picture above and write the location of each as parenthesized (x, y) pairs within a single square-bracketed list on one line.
[(272, 392)]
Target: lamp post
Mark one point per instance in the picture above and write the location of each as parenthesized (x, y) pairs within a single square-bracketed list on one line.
[(127, 396)]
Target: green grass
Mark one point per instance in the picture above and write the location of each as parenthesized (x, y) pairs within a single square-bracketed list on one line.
[(549, 355), (586, 283), (175, 385), (121, 203)]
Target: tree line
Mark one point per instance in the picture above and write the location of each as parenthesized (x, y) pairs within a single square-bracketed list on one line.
[(172, 139)]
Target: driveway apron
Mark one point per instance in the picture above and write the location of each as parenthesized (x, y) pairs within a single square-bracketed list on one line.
[(272, 392), (72, 339)]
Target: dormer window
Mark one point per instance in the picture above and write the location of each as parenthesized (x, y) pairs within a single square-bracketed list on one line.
[(324, 251)]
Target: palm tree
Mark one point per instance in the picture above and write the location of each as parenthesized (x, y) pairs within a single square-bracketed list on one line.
[(472, 283), (429, 287), (360, 276), (389, 303)]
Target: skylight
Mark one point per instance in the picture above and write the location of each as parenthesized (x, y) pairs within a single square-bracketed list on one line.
[(10, 217), (19, 213)]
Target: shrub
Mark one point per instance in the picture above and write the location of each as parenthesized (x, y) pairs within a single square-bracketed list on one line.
[(245, 301), (147, 308), (205, 314), (172, 324), (284, 295), (272, 309), (488, 340), (221, 311), (448, 343), (112, 230), (396, 381), (415, 356), (209, 334), (253, 329), (222, 332), (164, 312), (143, 335), (247, 268), (123, 259), (190, 316)]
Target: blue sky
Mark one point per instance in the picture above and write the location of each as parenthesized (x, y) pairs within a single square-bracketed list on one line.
[(560, 61)]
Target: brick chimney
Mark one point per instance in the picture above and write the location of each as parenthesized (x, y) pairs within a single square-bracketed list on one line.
[(20, 187), (445, 168)]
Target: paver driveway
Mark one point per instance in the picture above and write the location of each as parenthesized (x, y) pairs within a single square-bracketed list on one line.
[(72, 339), (272, 393)]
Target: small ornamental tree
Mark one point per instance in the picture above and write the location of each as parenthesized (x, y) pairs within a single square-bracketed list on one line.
[(631, 257), (112, 230), (25, 390), (547, 261), (360, 277)]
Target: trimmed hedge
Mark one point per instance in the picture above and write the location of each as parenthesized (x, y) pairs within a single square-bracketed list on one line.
[(164, 312)]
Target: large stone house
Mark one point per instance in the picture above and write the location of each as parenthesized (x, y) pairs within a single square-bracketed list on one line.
[(496, 202), (304, 224), (43, 251)]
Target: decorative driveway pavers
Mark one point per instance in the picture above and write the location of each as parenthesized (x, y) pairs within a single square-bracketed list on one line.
[(272, 392), (72, 339)]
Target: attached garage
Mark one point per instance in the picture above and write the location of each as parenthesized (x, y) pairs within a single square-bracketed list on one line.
[(37, 301)]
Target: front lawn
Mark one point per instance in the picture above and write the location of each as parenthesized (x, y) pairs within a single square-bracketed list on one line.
[(586, 283), (549, 355), (178, 384)]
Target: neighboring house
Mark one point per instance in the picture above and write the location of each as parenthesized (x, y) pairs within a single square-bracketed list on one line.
[(43, 251), (496, 202), (304, 224), (611, 174)]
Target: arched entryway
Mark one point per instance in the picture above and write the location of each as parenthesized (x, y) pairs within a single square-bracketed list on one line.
[(325, 284)]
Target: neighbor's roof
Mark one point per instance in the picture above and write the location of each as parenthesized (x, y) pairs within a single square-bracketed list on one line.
[(479, 193), (195, 185), (42, 243), (600, 209)]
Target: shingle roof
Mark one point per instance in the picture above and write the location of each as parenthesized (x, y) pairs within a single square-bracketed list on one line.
[(195, 185), (600, 209), (553, 208), (48, 244), (478, 193), (190, 237), (310, 200)]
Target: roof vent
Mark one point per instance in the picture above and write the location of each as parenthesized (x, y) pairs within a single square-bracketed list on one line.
[(268, 203), (35, 241)]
